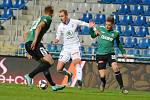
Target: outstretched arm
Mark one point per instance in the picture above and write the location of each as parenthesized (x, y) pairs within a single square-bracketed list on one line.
[(81, 23), (93, 31)]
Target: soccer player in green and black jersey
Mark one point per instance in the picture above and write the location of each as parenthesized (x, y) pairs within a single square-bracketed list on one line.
[(35, 48), (105, 36)]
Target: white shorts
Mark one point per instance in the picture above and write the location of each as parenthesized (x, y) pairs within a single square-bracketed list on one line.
[(70, 52)]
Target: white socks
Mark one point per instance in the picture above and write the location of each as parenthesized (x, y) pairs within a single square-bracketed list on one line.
[(78, 72)]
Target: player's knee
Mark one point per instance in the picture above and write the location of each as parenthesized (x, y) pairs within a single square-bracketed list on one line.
[(60, 66), (49, 59), (59, 70), (76, 61), (51, 63), (45, 63), (115, 68)]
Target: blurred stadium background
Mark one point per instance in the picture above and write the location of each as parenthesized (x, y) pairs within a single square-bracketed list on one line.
[(132, 20)]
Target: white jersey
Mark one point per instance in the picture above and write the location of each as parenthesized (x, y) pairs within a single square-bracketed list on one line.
[(69, 31)]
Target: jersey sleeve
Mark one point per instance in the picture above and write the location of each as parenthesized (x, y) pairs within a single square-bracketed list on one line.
[(46, 20), (120, 46), (58, 34), (81, 23), (92, 33)]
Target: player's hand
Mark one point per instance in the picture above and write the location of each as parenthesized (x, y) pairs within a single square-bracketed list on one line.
[(33, 45), (91, 24), (55, 41), (29, 56)]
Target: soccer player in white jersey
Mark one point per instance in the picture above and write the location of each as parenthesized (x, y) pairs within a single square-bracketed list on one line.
[(71, 44)]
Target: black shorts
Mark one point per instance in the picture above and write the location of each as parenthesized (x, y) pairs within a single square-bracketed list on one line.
[(38, 52), (102, 60)]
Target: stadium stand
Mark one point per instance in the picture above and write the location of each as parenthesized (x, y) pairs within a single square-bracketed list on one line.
[(119, 1), (146, 2), (123, 9), (19, 4), (84, 30), (129, 31), (147, 11), (119, 29), (128, 43), (86, 17), (137, 10), (6, 14), (131, 18), (99, 18)]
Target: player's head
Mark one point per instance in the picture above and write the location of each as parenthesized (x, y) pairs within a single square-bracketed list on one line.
[(48, 10), (63, 14), (109, 23)]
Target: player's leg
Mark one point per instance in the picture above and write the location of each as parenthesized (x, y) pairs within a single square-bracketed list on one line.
[(76, 59), (33, 54), (54, 86), (47, 58), (44, 58), (102, 73), (48, 77), (44, 65), (78, 67), (63, 58), (46, 61), (118, 75), (101, 63)]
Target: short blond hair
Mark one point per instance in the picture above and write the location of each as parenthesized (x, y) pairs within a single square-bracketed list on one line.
[(64, 11)]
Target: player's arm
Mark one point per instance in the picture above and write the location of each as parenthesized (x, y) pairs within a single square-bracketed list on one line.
[(93, 30), (90, 25), (58, 34), (120, 46), (93, 35), (37, 32), (81, 23), (25, 35)]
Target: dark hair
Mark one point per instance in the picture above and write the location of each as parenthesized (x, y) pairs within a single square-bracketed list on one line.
[(110, 19), (64, 11), (48, 10)]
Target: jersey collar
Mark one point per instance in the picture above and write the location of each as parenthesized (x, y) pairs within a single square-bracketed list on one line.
[(67, 22)]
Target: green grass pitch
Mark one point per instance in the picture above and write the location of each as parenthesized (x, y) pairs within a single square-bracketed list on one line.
[(22, 92)]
